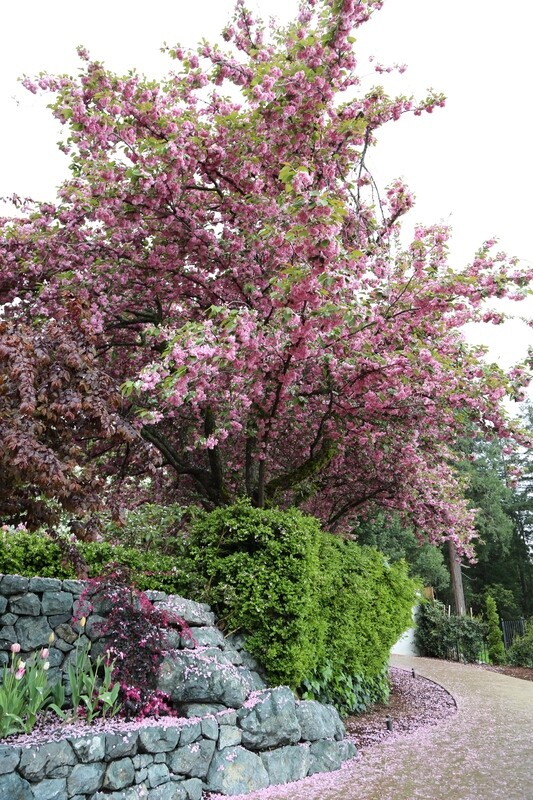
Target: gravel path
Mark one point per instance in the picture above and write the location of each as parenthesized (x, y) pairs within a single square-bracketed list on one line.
[(482, 752)]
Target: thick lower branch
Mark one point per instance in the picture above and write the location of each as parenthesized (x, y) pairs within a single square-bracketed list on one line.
[(308, 469)]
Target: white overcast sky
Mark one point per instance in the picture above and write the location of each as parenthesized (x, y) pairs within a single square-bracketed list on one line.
[(469, 164)]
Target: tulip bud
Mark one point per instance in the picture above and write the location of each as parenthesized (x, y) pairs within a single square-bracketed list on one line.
[(44, 653), (51, 638), (15, 647), (46, 666)]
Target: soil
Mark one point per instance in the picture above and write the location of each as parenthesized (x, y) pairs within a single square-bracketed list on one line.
[(523, 673)]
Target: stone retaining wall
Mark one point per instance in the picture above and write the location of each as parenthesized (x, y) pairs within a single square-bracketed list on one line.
[(235, 734)]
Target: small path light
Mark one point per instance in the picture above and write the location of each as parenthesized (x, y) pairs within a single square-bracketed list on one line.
[(388, 722), (414, 673)]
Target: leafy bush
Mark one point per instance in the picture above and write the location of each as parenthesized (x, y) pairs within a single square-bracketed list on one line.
[(449, 637), (321, 613), (149, 525), (520, 654), (494, 632), (30, 554), (350, 694)]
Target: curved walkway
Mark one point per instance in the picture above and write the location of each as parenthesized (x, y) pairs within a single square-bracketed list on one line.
[(483, 752)]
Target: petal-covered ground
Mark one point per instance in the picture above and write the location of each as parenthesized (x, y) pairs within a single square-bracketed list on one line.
[(414, 702)]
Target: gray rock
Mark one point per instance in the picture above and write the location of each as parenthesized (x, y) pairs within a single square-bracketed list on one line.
[(41, 762), (193, 788), (120, 745), (318, 721), (271, 721), (8, 619), (53, 789), (233, 655), (142, 760), (169, 791), (160, 758), (286, 764), (13, 584), (4, 659), (74, 587), (60, 644), (55, 657), (89, 748), (193, 613), (250, 661), (154, 596), (32, 632), (9, 758), (347, 750), (197, 676), (228, 716), (157, 774), (325, 756), (210, 728), (201, 709), (93, 626), (236, 771), (208, 636), (13, 787), (229, 736), (3, 604), (119, 774), (237, 640), (57, 602), (192, 760), (258, 683), (44, 585), (190, 732), (158, 739), (66, 632), (59, 619), (141, 775), (173, 640), (85, 778), (132, 793), (7, 637)]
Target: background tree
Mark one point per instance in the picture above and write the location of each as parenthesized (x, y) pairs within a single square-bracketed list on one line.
[(494, 632), (242, 280), (499, 487)]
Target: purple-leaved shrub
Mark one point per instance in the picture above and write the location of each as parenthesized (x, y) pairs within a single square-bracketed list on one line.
[(135, 637)]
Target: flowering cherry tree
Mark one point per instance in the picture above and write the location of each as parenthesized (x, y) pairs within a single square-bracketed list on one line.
[(223, 246)]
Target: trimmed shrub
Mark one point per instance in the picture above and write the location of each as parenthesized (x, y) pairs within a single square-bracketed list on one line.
[(494, 632), (438, 635), (30, 554), (321, 613), (520, 654)]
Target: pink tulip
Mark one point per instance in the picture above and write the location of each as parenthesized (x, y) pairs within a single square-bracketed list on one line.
[(15, 647)]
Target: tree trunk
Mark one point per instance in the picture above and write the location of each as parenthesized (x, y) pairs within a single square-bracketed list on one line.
[(457, 581)]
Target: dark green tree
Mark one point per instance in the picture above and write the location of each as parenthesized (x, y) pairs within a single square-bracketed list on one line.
[(494, 633)]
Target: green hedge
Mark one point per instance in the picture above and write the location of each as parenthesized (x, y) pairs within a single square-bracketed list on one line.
[(31, 554), (520, 654), (322, 613), (449, 637)]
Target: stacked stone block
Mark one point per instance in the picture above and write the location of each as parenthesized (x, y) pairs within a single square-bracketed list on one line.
[(235, 735)]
